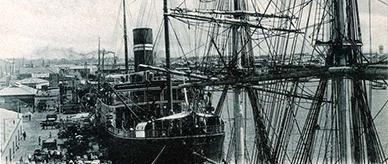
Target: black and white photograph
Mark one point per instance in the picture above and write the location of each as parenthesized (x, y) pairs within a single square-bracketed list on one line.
[(193, 81)]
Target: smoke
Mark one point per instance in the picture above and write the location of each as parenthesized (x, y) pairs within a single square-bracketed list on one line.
[(62, 52)]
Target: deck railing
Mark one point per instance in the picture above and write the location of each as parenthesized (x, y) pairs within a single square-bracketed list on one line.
[(122, 133), (169, 132), (174, 131)]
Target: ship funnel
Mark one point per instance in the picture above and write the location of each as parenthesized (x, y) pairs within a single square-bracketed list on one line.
[(142, 40)]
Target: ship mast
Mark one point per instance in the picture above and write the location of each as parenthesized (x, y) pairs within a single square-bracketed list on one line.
[(351, 102), (99, 63), (355, 136), (342, 84), (167, 51), (125, 39), (238, 116)]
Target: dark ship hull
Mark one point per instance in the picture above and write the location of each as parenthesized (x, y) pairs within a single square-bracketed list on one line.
[(169, 150), (186, 137)]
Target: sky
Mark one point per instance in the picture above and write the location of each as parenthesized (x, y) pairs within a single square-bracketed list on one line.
[(30, 27)]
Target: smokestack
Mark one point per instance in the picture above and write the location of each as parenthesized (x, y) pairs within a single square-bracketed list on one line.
[(142, 40)]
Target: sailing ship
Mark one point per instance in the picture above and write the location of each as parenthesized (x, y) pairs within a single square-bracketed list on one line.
[(293, 120)]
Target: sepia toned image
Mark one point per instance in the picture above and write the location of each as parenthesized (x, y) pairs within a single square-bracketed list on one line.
[(193, 82)]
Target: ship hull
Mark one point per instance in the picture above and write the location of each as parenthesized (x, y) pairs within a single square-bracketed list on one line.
[(167, 150)]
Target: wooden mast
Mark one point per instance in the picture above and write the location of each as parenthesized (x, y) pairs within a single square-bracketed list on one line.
[(167, 52), (238, 117), (99, 63), (342, 83), (125, 39)]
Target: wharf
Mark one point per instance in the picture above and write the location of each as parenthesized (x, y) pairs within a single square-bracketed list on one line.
[(33, 131)]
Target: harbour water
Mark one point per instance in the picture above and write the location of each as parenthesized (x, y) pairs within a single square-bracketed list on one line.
[(379, 98), (379, 111)]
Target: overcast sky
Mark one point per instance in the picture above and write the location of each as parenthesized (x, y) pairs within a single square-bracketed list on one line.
[(27, 26)]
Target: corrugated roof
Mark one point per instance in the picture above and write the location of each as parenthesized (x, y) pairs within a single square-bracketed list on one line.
[(9, 119), (32, 80), (17, 90)]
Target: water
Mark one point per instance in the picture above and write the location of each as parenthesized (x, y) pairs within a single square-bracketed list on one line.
[(378, 100), (381, 121)]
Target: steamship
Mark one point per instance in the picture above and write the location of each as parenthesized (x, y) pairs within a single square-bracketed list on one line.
[(142, 124)]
